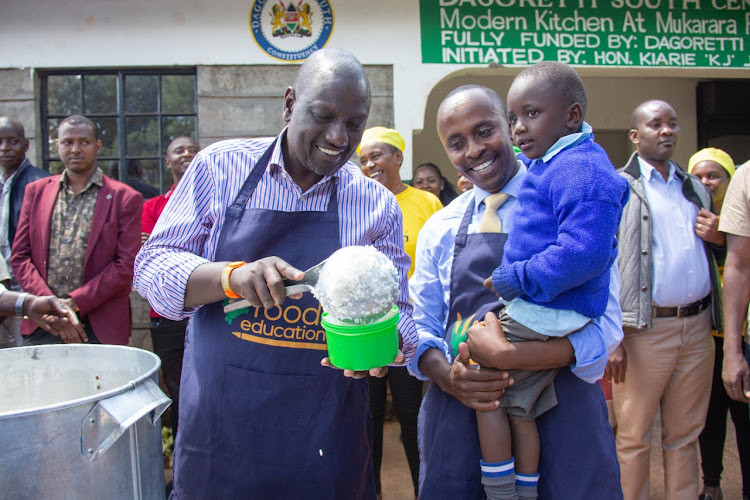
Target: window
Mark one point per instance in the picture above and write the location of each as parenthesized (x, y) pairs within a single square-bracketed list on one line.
[(137, 113)]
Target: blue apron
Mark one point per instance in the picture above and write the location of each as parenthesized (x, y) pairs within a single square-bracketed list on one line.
[(259, 416), (577, 461)]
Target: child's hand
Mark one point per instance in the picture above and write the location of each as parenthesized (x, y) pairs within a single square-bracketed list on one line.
[(486, 340), (488, 284)]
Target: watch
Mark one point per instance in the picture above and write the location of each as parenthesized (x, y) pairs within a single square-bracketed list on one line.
[(225, 274)]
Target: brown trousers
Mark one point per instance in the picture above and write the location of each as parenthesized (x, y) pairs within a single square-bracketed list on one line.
[(669, 368)]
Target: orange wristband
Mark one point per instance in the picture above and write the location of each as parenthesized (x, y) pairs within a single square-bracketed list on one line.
[(225, 274)]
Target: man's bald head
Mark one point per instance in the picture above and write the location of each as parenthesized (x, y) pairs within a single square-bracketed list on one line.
[(640, 112), (493, 97), (13, 145), (326, 111), (326, 65), (15, 125)]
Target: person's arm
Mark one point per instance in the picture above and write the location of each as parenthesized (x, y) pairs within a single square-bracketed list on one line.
[(177, 244), (260, 282), (49, 313), (53, 316), (489, 347), (735, 372), (586, 350), (428, 291), (116, 277), (391, 243)]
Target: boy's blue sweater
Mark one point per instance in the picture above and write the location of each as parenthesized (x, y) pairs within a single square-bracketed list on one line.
[(563, 241)]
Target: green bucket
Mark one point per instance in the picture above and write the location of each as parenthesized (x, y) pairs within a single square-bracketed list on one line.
[(361, 347)]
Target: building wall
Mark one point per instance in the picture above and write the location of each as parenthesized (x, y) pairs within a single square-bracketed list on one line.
[(18, 100), (246, 101), (215, 37)]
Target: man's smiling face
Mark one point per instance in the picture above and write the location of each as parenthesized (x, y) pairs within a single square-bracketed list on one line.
[(326, 120), (474, 131)]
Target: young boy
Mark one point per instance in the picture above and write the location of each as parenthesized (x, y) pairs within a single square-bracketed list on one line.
[(554, 277)]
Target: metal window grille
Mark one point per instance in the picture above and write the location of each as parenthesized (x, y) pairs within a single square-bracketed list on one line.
[(137, 113)]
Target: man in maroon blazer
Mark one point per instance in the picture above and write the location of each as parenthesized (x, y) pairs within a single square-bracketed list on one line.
[(77, 237)]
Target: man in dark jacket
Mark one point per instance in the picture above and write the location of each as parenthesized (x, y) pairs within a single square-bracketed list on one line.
[(15, 172)]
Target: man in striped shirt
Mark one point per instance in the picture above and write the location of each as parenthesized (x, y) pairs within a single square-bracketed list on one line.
[(259, 415)]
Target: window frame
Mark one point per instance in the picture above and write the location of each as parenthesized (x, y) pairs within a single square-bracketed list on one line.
[(121, 114)]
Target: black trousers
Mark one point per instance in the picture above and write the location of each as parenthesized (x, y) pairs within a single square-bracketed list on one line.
[(406, 392), (40, 337), (168, 338), (712, 437)]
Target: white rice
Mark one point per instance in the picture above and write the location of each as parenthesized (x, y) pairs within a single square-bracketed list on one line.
[(357, 284)]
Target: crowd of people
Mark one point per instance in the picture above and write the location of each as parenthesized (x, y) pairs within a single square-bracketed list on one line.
[(543, 270)]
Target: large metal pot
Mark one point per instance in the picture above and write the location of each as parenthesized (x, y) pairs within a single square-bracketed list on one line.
[(80, 421)]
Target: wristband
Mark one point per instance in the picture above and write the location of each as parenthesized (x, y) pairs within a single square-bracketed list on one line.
[(225, 274), (19, 303)]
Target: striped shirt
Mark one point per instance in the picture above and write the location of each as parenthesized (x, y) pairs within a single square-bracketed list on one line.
[(188, 230)]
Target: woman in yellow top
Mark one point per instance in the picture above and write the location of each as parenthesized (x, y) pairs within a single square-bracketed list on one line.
[(381, 155), (715, 168)]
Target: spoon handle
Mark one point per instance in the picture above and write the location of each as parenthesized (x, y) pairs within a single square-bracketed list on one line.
[(290, 290)]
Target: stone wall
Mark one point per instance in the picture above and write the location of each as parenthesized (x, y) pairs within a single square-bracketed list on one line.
[(18, 100), (247, 101)]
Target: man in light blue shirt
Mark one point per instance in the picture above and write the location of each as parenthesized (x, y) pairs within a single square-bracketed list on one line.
[(451, 264), (671, 292)]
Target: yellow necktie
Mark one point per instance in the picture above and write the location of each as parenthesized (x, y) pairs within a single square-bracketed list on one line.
[(490, 222)]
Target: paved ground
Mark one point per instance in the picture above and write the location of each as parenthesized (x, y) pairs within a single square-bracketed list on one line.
[(396, 481)]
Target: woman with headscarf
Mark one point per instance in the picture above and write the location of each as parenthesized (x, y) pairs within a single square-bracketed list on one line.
[(715, 168), (427, 177), (381, 155)]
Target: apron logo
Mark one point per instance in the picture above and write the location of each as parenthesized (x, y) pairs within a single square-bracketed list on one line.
[(459, 332), (290, 326), (291, 31)]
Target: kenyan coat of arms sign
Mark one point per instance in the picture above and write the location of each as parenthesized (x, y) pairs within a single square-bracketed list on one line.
[(291, 31)]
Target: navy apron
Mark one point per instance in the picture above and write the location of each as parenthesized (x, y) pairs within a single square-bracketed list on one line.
[(259, 416), (577, 461)]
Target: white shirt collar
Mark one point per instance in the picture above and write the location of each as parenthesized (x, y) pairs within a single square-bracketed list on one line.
[(648, 170)]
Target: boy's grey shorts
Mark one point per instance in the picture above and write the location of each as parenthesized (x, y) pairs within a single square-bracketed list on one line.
[(532, 392)]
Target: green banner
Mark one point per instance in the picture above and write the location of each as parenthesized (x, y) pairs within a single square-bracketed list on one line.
[(625, 33)]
